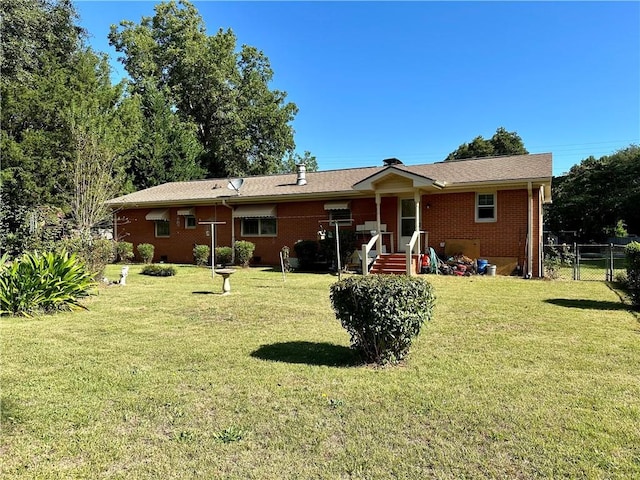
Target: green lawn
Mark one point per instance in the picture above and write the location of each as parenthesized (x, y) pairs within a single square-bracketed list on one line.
[(165, 379)]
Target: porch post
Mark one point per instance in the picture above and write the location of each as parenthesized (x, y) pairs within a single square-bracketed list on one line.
[(416, 199), (379, 240)]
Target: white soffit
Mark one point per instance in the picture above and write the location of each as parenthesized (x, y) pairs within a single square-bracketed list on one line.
[(158, 214), (254, 211)]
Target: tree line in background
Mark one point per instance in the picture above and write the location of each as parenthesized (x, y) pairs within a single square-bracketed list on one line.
[(195, 106)]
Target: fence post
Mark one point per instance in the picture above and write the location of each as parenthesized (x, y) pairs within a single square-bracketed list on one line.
[(576, 262), (610, 272)]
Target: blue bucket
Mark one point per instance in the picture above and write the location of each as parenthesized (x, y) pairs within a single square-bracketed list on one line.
[(482, 265)]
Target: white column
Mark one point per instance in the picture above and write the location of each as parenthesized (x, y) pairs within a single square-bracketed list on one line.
[(379, 241)]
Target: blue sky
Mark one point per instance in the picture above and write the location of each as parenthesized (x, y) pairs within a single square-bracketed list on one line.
[(414, 80)]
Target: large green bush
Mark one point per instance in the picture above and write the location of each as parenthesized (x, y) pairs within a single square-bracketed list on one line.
[(201, 254), (95, 253), (124, 252), (224, 255), (244, 252), (146, 250), (382, 313), (43, 282), (307, 254), (632, 251)]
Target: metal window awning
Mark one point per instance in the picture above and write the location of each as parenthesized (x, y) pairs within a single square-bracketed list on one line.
[(187, 212), (344, 205), (158, 214), (254, 211)]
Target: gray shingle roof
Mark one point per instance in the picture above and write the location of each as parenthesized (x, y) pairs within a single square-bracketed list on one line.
[(334, 183)]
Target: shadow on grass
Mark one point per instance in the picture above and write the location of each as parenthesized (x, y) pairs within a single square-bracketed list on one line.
[(310, 353), (589, 304), (203, 292)]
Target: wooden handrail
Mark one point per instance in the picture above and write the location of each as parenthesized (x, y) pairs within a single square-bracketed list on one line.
[(366, 248)]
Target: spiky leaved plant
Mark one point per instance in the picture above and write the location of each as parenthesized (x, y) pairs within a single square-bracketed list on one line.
[(43, 282)]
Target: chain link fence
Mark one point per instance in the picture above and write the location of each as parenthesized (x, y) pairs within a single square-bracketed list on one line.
[(594, 262)]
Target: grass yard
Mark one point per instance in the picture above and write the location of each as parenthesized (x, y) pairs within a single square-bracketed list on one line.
[(165, 379)]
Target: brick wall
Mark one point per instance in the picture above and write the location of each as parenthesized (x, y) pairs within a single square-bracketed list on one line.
[(449, 216)]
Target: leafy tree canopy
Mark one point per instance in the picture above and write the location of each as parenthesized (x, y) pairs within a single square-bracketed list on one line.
[(289, 165), (598, 197), (242, 125), (502, 143)]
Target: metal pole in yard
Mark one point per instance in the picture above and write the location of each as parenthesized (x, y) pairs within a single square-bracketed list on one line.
[(213, 244)]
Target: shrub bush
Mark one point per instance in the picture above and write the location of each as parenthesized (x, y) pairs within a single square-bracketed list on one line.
[(382, 313), (201, 254), (124, 252), (307, 254), (632, 252), (43, 282), (145, 250), (159, 270), (95, 253), (224, 255), (244, 252)]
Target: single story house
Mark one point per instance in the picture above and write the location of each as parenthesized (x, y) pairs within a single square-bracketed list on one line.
[(489, 206)]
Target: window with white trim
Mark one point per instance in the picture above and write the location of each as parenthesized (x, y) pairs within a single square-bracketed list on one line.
[(486, 207), (162, 228), (190, 221), (259, 227)]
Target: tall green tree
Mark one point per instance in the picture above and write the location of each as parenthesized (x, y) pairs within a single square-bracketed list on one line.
[(597, 196), (243, 125), (52, 88), (168, 149), (502, 143)]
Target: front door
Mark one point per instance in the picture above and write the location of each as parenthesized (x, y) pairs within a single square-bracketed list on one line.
[(407, 222)]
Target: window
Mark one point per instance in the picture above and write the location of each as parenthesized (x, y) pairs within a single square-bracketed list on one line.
[(259, 227), (486, 207), (340, 214), (162, 228), (189, 221)]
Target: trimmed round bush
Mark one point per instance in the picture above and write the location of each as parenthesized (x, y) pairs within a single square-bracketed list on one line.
[(307, 254), (159, 270), (124, 252), (201, 254), (146, 250), (224, 255), (382, 313), (244, 252)]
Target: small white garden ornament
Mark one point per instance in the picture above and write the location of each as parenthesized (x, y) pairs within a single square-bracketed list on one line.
[(123, 275)]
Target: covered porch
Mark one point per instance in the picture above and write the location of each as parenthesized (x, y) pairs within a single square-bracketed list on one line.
[(399, 206)]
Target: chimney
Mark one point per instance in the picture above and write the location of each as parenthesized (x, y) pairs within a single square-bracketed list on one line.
[(302, 171), (391, 161)]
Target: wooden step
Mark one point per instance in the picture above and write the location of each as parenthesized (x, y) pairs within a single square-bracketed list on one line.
[(394, 264)]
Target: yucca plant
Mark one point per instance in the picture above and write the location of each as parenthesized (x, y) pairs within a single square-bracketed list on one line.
[(43, 282)]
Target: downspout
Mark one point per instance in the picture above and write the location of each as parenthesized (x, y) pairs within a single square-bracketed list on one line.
[(114, 216), (530, 231), (233, 231), (540, 231)]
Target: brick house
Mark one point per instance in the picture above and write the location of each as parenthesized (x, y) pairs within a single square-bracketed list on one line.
[(492, 206)]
